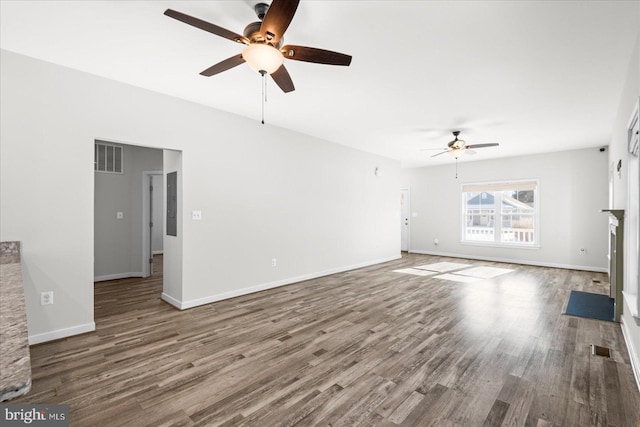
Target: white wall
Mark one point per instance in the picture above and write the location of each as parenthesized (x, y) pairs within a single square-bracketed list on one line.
[(572, 189), (314, 207), (118, 242), (172, 289), (46, 195), (264, 192)]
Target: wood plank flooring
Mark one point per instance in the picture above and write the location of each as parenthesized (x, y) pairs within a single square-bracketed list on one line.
[(368, 347)]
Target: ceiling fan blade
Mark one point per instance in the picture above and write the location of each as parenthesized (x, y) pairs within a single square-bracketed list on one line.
[(315, 55), (473, 153), (441, 153), (283, 79), (483, 145), (277, 19), (207, 26), (223, 65)]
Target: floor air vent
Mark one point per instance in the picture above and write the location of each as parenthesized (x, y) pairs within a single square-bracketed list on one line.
[(596, 350)]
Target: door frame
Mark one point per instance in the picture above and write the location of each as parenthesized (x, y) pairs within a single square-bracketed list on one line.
[(408, 190), (146, 247)]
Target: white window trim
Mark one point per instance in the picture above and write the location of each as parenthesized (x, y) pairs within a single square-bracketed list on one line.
[(498, 244)]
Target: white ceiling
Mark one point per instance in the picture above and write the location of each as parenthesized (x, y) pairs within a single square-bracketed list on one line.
[(534, 76)]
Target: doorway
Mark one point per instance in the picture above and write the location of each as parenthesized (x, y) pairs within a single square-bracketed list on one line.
[(120, 218), (122, 212), (405, 212), (152, 219)]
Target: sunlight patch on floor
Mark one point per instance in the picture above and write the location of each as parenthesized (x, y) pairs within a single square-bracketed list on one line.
[(415, 272), (458, 278), (484, 272), (443, 267)]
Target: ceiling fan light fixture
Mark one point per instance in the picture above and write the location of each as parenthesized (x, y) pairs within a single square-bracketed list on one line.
[(262, 57), (457, 152)]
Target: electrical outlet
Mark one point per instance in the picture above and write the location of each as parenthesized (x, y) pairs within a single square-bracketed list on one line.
[(119, 215), (196, 215), (46, 298), (582, 251), (274, 262)]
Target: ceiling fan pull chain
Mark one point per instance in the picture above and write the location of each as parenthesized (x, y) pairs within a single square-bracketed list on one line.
[(264, 95)]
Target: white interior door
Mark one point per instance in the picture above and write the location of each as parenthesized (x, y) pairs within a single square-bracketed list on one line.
[(405, 214)]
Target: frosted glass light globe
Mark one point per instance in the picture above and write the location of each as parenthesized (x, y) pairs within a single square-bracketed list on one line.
[(263, 57)]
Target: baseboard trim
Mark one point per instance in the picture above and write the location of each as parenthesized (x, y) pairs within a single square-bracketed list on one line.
[(183, 305), (158, 252), (62, 333), (633, 356), (171, 300), (117, 276), (514, 261)]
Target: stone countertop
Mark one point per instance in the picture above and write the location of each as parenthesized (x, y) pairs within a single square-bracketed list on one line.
[(9, 253), (15, 359)]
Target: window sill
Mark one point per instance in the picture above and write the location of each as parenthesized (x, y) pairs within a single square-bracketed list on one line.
[(500, 245), (632, 303)]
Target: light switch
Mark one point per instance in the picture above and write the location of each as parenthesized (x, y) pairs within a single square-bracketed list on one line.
[(119, 215), (196, 215)]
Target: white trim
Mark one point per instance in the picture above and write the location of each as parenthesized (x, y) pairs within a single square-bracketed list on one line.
[(182, 305), (499, 245), (516, 261), (61, 333), (633, 356), (117, 276), (630, 299), (174, 302), (158, 252), (633, 124), (631, 216)]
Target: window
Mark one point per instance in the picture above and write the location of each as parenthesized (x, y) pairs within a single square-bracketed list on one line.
[(107, 158), (503, 213)]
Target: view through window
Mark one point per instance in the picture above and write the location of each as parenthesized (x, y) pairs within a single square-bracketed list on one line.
[(500, 213)]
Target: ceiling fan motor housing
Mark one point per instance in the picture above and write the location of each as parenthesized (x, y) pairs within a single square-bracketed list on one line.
[(252, 32), (456, 143)]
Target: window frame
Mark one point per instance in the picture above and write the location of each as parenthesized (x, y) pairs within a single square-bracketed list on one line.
[(498, 214)]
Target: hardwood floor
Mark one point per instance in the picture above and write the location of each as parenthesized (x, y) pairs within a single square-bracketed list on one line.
[(366, 347)]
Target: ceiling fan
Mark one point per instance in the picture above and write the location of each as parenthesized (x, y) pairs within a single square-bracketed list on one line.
[(264, 50), (458, 147)]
